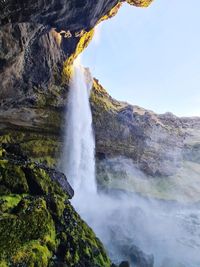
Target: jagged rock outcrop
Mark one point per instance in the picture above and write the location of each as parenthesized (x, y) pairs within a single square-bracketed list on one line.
[(37, 37), (136, 256), (155, 143), (64, 15), (29, 60), (33, 91), (38, 225)]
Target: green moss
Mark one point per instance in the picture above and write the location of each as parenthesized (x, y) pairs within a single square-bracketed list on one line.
[(3, 264), (5, 138), (40, 223), (3, 163), (82, 244), (100, 99), (24, 177), (58, 204), (28, 224), (33, 254), (40, 181), (9, 202), (42, 150), (40, 147), (12, 177)]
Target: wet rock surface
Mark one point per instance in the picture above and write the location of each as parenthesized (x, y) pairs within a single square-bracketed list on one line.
[(138, 257), (32, 52), (34, 198), (156, 144), (38, 225)]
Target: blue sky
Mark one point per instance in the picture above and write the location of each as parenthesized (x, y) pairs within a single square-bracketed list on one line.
[(151, 57)]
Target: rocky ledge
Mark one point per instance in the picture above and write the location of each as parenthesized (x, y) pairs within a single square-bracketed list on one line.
[(156, 144), (38, 225), (38, 37)]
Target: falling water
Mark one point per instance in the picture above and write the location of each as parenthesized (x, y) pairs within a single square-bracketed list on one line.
[(78, 154), (121, 220)]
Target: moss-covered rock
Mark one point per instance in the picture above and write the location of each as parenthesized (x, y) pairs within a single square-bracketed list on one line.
[(21, 176), (39, 146), (79, 243), (27, 233), (38, 225)]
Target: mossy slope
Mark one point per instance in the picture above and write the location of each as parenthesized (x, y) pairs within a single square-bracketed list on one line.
[(38, 225)]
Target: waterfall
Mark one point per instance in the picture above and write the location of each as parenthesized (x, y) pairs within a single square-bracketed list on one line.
[(125, 222), (79, 145)]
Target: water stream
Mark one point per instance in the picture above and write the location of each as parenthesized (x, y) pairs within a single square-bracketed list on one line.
[(171, 233), (79, 145)]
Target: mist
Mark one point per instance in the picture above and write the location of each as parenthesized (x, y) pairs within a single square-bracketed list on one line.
[(148, 221), (142, 224)]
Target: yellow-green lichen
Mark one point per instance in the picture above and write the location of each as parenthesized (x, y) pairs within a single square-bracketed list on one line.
[(27, 232), (3, 264), (39, 227), (38, 146), (100, 99), (43, 149), (111, 13), (140, 3), (33, 254), (8, 202), (82, 44), (84, 242)]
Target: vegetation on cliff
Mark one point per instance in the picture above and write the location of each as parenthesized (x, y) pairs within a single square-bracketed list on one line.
[(38, 225), (36, 60)]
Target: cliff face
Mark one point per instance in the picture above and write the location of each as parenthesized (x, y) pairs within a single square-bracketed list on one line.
[(37, 37), (63, 15), (144, 152), (39, 41), (156, 143), (38, 225)]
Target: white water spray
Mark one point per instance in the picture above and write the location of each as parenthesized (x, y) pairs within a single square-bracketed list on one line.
[(78, 153), (121, 220)]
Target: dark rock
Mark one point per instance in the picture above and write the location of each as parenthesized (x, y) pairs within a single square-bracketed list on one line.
[(139, 258), (31, 54), (30, 57), (61, 179), (37, 179), (74, 15), (14, 149), (125, 264)]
